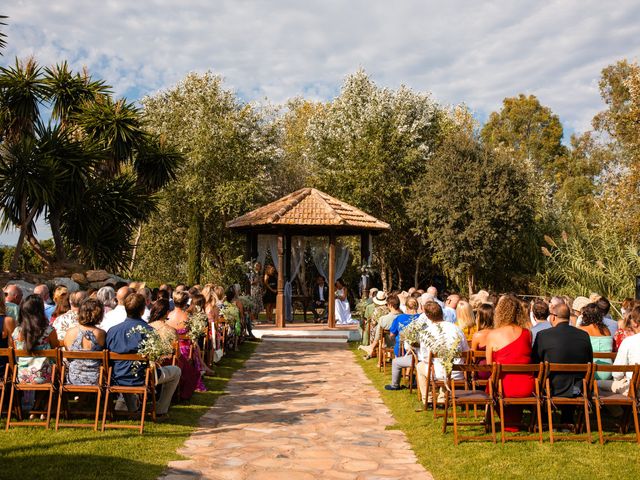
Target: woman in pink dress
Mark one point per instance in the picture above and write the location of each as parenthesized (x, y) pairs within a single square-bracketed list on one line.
[(509, 344)]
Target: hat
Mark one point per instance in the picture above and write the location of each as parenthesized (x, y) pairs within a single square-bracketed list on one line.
[(579, 303), (380, 298)]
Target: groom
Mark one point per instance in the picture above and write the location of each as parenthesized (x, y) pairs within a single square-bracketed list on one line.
[(320, 296)]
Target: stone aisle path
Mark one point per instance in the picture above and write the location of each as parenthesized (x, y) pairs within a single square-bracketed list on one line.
[(298, 411)]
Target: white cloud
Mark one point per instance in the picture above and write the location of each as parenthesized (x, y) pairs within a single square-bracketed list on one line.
[(461, 51)]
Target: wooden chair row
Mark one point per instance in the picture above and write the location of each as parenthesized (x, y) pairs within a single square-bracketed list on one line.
[(470, 393), (60, 386)]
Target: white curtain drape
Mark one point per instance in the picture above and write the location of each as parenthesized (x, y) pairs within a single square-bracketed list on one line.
[(320, 254), (298, 245), (273, 249), (263, 245)]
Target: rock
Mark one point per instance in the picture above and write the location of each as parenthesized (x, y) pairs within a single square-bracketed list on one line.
[(26, 287), (67, 282), (79, 278), (96, 276)]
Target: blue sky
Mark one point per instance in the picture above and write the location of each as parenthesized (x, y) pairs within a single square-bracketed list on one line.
[(460, 51)]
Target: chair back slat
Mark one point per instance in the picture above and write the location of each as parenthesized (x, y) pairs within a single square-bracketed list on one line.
[(605, 355), (134, 357), (83, 355), (603, 367), (51, 353), (568, 367)]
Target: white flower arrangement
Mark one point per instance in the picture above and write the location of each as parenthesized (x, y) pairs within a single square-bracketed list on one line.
[(153, 346), (247, 302), (197, 324)]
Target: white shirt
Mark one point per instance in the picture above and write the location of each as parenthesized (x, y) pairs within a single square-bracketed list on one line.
[(628, 354), (146, 314), (448, 332), (321, 293), (113, 318)]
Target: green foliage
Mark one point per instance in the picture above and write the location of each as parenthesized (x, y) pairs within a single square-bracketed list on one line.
[(473, 207), (593, 259), (529, 130), (229, 149)]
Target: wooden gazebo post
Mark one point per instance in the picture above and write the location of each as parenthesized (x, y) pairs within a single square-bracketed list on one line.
[(280, 320), (331, 320)]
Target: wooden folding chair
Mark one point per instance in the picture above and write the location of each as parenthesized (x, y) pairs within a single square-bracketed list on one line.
[(537, 372), (582, 400), (469, 398), (629, 401), (20, 387), (385, 354), (409, 373), (6, 376), (475, 357), (434, 385), (66, 387), (146, 389)]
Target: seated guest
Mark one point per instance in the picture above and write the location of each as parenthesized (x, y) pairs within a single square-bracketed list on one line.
[(540, 314), (372, 314), (107, 295), (61, 299), (625, 327), (49, 306), (628, 354), (70, 319), (34, 333), (599, 335), (563, 344), (605, 306), (450, 310), (465, 319), (484, 317), (509, 343), (13, 298), (399, 323), (576, 309), (118, 314), (7, 326), (178, 319), (443, 332), (86, 336), (384, 323), (320, 295), (125, 337), (158, 320)]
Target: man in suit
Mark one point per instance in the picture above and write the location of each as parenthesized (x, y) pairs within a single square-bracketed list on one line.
[(320, 296), (563, 344)]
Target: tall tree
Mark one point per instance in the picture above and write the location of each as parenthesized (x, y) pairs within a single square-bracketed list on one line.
[(473, 206), (528, 129), (370, 144)]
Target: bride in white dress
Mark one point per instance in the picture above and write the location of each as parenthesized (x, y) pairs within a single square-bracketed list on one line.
[(343, 309)]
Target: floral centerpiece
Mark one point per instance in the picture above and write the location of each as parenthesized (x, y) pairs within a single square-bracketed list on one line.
[(197, 324)]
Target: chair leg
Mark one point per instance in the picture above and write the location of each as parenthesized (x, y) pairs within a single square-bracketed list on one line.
[(634, 409), (2, 399), (539, 411), (11, 397), (446, 412), (599, 420), (144, 409), (49, 403), (501, 403), (550, 414), (60, 395), (104, 411), (587, 420), (493, 422), (455, 420), (97, 418)]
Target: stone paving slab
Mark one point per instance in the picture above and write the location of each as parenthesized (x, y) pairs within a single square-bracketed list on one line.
[(303, 411)]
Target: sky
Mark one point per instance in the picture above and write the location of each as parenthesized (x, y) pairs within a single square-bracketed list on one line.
[(472, 52)]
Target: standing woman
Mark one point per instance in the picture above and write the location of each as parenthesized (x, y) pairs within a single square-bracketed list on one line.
[(255, 280), (270, 283), (343, 309)]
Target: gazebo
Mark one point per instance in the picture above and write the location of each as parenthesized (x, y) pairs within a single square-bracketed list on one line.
[(311, 213)]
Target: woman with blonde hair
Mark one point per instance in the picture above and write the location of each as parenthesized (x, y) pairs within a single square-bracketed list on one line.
[(465, 318)]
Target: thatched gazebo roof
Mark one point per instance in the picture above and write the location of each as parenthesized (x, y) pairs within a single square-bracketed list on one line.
[(308, 209)]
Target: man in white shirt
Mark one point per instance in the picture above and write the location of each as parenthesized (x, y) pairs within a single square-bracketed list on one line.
[(118, 314), (628, 354), (446, 332), (146, 293)]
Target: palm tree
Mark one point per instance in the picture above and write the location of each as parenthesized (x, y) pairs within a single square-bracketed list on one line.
[(3, 42)]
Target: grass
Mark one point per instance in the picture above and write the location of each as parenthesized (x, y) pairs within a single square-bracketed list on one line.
[(515, 460), (115, 454)]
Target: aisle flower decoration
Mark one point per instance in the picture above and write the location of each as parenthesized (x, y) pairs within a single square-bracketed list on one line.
[(152, 345), (197, 324), (440, 348)]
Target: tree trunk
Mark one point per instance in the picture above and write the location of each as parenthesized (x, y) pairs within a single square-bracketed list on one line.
[(416, 274), (399, 278), (135, 248), (15, 261), (471, 281), (41, 252), (383, 274), (194, 265), (54, 223)]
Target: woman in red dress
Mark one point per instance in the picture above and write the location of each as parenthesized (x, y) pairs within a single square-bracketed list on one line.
[(508, 343)]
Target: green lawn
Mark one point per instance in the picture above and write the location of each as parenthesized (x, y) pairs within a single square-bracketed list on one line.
[(29, 453), (480, 460)]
